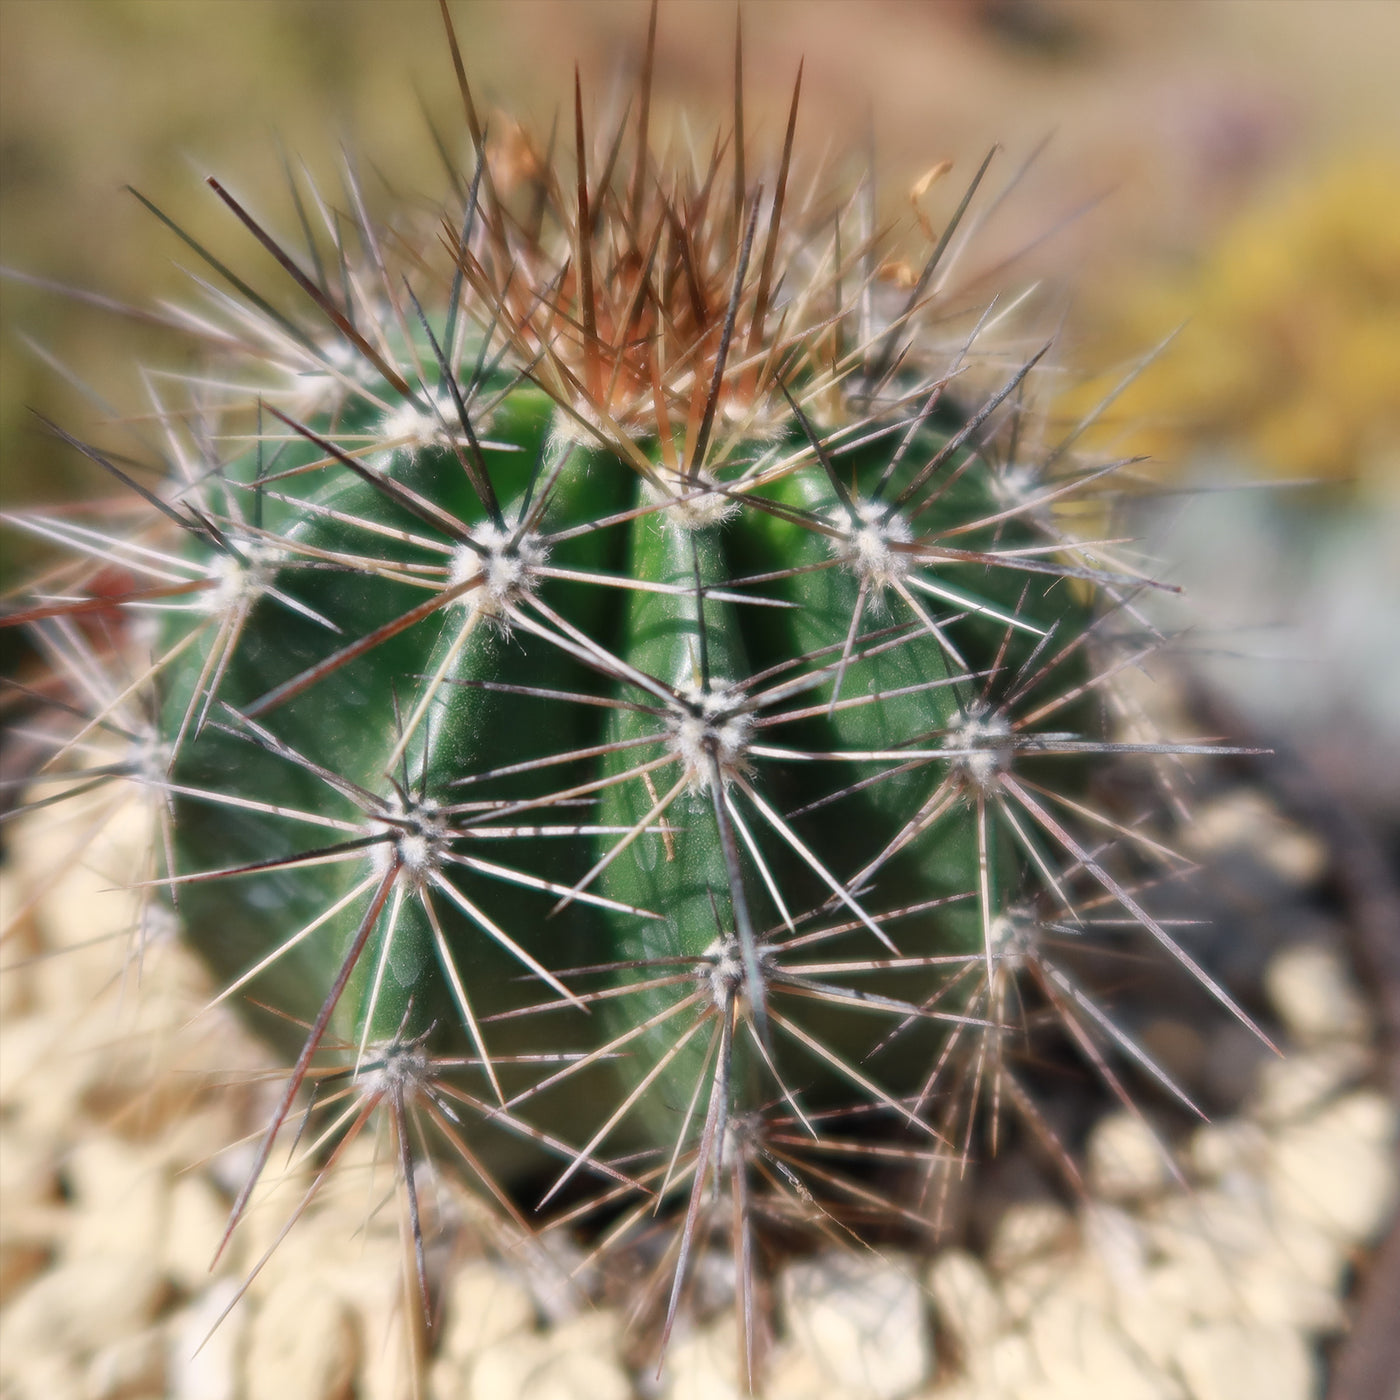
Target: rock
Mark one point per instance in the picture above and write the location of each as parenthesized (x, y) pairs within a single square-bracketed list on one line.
[(17, 982), (1225, 1361), (1153, 1317), (704, 1364), (303, 1341), (41, 1079), (196, 1220), (20, 1262), (583, 1375), (41, 1376), (132, 1367), (83, 1305), (1025, 1287), (795, 1374), (1083, 1354), (27, 1176), (1027, 1230), (203, 1359), (1117, 1242), (1124, 1160), (1271, 1294), (85, 916), (483, 1306), (862, 1320), (965, 1299), (1192, 1289), (1310, 1253), (1313, 994), (1245, 820), (31, 1214), (576, 1362), (507, 1370), (119, 1200), (1299, 1084), (1006, 1366), (554, 1270), (1337, 1171), (447, 1379), (1233, 1146)]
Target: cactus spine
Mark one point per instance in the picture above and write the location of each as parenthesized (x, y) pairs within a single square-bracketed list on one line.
[(621, 703)]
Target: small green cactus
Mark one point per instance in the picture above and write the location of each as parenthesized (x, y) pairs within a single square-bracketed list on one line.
[(619, 701)]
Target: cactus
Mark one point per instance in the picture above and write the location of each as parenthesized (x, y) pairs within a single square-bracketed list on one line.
[(625, 692)]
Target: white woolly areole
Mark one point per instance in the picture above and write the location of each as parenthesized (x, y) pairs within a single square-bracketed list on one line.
[(419, 840), (1014, 485), (1012, 937), (582, 427), (241, 580), (868, 550), (395, 1068), (693, 505), (412, 430), (723, 972), (312, 389), (508, 567), (711, 727), (989, 736)]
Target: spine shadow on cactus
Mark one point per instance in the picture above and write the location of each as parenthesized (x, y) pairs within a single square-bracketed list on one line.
[(634, 716)]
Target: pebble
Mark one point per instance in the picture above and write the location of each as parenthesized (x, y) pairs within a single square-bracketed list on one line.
[(131, 1367), (1314, 995), (504, 1372), (1027, 1230), (1246, 820), (1272, 1294), (703, 1364), (195, 1225), (27, 1176), (43, 1376), (1006, 1366), (1152, 1318), (120, 1200), (965, 1300), (861, 1318), (31, 1214), (1292, 1088), (1231, 1147), (1124, 1159), (80, 1306), (202, 1360), (1025, 1287), (17, 990), (1147, 1295), (20, 1262), (41, 1081), (1351, 1141), (483, 1307), (1082, 1353), (302, 1341), (574, 1362), (1312, 1254), (795, 1374), (1223, 1361)]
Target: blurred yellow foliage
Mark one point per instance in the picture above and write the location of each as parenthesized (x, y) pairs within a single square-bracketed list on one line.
[(1289, 351)]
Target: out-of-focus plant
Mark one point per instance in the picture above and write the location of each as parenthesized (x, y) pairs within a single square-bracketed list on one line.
[(1289, 349)]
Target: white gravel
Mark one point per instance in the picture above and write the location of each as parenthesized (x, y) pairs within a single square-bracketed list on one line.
[(1219, 1293)]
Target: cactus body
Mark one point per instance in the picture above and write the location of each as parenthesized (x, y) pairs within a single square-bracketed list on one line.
[(626, 706)]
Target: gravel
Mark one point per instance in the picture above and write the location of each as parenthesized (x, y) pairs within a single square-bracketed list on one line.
[(116, 1169)]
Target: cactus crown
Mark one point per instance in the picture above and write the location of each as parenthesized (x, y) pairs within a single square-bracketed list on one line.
[(620, 693)]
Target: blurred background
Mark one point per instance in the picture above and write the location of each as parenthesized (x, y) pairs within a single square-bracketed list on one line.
[(1241, 161)]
